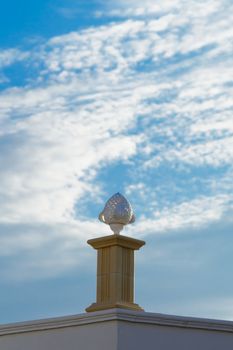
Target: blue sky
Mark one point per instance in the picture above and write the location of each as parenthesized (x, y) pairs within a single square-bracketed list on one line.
[(104, 96)]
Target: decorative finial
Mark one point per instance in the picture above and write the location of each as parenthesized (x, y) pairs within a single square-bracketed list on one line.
[(117, 213)]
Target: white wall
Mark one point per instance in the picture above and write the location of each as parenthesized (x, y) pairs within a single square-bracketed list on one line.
[(118, 329), (135, 336), (101, 336)]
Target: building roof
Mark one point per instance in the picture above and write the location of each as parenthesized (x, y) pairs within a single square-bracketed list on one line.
[(117, 315)]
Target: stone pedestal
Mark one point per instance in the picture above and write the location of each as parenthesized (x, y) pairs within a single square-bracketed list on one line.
[(115, 272)]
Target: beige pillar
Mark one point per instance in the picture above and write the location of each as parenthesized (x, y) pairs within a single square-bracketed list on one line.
[(115, 272)]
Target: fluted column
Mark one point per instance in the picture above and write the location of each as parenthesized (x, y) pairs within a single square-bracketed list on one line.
[(115, 272)]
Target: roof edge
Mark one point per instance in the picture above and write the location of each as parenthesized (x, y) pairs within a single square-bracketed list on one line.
[(117, 315)]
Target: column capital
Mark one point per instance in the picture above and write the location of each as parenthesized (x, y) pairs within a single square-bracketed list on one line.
[(116, 240)]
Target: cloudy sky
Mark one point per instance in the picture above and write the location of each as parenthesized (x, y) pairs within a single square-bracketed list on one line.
[(102, 96)]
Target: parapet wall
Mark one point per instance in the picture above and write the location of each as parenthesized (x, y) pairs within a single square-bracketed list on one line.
[(118, 329)]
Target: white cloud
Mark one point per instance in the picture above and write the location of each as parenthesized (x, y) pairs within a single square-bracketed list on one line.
[(211, 307), (153, 90), (186, 215), (53, 164), (10, 56), (148, 9), (215, 153), (35, 251)]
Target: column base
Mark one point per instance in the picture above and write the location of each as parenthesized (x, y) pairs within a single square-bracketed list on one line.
[(97, 307)]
